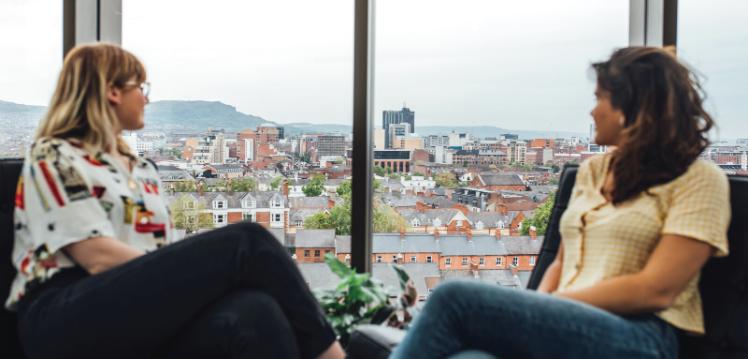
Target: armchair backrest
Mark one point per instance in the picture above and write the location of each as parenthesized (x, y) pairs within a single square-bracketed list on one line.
[(10, 169)]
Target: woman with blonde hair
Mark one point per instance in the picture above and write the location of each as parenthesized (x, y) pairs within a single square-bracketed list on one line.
[(98, 275)]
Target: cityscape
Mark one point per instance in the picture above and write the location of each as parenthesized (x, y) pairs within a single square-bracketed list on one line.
[(447, 205)]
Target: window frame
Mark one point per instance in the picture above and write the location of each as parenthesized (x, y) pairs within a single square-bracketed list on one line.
[(651, 23)]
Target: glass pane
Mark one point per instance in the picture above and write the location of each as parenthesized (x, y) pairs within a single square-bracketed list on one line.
[(478, 104), (31, 59), (711, 38), (250, 116)]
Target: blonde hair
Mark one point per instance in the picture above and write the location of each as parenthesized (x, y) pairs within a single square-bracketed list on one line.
[(79, 108)]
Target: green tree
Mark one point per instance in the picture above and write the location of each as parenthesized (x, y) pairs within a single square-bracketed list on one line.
[(338, 218), (275, 183), (244, 184), (446, 180), (385, 218), (419, 174), (190, 215), (184, 186), (315, 186), (540, 218), (345, 189), (379, 171)]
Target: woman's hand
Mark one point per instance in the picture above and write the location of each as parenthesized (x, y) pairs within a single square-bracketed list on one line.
[(98, 254)]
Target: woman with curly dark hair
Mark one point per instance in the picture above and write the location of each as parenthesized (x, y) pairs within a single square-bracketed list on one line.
[(641, 222)]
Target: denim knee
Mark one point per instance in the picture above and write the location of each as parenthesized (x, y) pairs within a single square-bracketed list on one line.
[(451, 292)]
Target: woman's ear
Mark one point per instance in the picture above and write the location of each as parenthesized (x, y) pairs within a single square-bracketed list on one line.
[(114, 95)]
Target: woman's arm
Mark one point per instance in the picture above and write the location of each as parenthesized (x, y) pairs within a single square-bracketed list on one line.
[(673, 263), (98, 254), (552, 275)]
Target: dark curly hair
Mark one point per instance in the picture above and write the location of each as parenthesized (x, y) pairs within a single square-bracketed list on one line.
[(665, 128)]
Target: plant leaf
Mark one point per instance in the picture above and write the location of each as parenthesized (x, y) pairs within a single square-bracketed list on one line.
[(336, 266)]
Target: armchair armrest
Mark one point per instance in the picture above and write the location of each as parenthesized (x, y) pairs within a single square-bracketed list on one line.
[(373, 342)]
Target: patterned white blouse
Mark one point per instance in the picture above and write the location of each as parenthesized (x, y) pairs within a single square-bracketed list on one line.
[(66, 194)]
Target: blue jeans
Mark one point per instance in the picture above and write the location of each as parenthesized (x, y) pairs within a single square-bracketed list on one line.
[(509, 323)]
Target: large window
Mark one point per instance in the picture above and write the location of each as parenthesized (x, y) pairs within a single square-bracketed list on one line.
[(31, 43), (253, 99), (711, 38), (477, 105)]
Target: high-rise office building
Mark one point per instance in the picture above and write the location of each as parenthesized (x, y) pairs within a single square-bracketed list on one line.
[(395, 131), (331, 145), (397, 117)]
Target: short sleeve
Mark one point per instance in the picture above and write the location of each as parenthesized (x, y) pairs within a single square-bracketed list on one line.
[(583, 180), (700, 206), (57, 205)]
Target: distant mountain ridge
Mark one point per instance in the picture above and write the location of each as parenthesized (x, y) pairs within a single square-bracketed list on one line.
[(197, 116), (19, 114)]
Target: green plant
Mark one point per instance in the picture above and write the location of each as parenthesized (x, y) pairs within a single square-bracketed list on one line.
[(358, 298)]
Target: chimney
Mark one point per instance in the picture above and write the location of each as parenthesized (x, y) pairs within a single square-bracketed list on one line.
[(533, 232), (503, 209), (498, 234), (284, 189), (436, 234), (469, 234), (421, 207), (330, 203), (402, 233), (200, 189)]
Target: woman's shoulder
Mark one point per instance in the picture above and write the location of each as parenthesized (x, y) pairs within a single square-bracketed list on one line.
[(147, 164), (702, 173), (706, 169), (592, 167), (52, 147)]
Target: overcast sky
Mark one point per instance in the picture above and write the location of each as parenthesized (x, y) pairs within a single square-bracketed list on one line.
[(513, 64)]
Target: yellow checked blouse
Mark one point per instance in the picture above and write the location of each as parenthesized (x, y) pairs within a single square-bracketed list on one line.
[(603, 241)]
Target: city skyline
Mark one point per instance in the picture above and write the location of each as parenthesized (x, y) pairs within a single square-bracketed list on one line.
[(492, 63)]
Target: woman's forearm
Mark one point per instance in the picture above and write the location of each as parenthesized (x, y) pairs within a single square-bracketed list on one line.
[(551, 277), (99, 254), (626, 294)]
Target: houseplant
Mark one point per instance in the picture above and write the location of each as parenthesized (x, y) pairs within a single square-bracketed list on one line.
[(360, 299)]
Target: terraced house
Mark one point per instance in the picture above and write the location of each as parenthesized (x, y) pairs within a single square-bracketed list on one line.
[(270, 209)]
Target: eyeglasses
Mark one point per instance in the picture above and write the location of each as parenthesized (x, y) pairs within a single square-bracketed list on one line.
[(145, 87)]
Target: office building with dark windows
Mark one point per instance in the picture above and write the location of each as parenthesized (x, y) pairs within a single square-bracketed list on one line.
[(397, 117)]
